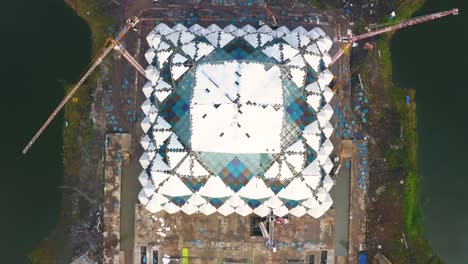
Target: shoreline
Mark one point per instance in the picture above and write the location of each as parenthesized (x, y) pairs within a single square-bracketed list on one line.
[(80, 130), (411, 206), (401, 155)]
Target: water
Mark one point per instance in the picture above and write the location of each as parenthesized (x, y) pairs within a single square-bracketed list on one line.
[(432, 58), (43, 44)]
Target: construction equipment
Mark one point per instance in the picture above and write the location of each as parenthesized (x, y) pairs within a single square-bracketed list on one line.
[(131, 23), (119, 47), (268, 235), (340, 53), (271, 14), (350, 38), (338, 85), (108, 46)]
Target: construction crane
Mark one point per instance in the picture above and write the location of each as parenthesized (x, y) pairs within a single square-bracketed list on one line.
[(268, 235), (108, 46), (350, 39), (343, 81), (271, 14), (120, 48)]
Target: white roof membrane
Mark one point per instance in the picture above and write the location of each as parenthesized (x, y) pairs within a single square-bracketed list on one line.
[(223, 129), (171, 208), (159, 177), (274, 202), (196, 199), (265, 29), (225, 209), (213, 28), (255, 189), (238, 33), (174, 187), (285, 171), (262, 210), (149, 55), (244, 210), (143, 178), (230, 28), (194, 28), (296, 190), (273, 171), (249, 29), (298, 211), (234, 201), (142, 197), (162, 28), (207, 209), (324, 44), (313, 61), (281, 211), (215, 188), (236, 107), (189, 208)]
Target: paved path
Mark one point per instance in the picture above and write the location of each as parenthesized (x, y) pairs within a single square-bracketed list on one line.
[(340, 195), (357, 214), (130, 189), (117, 143)]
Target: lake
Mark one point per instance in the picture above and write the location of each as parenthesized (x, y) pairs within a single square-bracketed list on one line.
[(44, 45), (432, 58)]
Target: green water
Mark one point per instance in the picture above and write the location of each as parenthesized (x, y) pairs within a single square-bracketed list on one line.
[(42, 44), (433, 59)]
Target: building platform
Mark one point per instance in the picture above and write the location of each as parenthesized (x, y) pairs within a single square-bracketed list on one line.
[(225, 239)]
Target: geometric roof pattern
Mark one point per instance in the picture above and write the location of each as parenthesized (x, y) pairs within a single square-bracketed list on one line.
[(237, 121)]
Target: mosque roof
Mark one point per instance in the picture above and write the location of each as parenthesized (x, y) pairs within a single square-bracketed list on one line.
[(237, 120)]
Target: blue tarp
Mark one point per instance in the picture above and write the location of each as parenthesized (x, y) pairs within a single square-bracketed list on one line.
[(362, 258)]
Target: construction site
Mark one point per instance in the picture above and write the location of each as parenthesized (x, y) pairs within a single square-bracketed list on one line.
[(232, 136)]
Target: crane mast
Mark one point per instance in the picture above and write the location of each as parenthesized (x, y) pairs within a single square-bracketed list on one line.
[(268, 235), (271, 14), (114, 44)]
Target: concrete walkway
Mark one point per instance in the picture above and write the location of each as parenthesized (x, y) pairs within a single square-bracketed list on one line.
[(130, 189), (117, 146), (340, 195)]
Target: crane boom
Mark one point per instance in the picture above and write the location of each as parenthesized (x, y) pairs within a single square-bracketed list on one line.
[(404, 24), (350, 39), (115, 44), (339, 53), (67, 97), (118, 47), (271, 14)]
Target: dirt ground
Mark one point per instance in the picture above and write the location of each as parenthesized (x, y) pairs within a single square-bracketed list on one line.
[(370, 11), (212, 238), (385, 192)]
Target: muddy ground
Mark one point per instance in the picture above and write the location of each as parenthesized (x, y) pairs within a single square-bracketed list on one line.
[(385, 189), (385, 230)]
